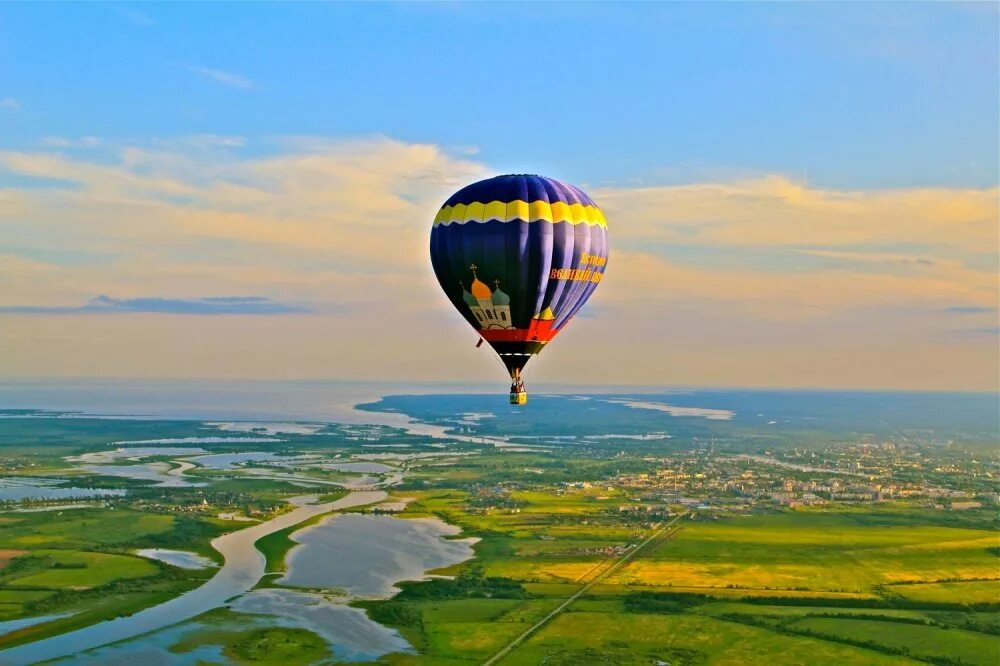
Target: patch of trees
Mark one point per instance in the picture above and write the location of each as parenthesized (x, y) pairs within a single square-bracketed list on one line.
[(187, 532), (396, 613), (503, 502), (470, 584), (24, 564), (984, 624), (865, 616), (492, 543), (663, 602)]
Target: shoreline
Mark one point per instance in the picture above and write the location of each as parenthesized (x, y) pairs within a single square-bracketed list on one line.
[(243, 568)]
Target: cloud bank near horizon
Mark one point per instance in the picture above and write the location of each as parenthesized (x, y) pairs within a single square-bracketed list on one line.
[(758, 281), (209, 305)]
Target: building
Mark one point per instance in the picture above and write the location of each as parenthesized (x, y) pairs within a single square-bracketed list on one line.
[(490, 308)]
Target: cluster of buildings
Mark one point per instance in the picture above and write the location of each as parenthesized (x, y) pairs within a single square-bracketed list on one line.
[(702, 479), (227, 505), (615, 550)]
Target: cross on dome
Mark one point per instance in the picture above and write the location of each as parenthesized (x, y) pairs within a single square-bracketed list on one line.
[(479, 288)]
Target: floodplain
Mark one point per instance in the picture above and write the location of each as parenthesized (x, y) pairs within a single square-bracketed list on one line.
[(684, 534)]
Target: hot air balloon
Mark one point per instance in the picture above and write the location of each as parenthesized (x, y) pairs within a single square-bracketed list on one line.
[(518, 256)]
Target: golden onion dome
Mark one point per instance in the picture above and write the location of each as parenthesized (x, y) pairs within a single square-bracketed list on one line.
[(480, 290)]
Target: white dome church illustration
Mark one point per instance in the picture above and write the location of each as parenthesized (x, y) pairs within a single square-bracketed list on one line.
[(491, 309)]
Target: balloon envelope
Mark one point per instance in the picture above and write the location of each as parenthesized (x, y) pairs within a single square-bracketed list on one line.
[(518, 256)]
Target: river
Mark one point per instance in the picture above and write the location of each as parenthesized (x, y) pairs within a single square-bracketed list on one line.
[(244, 567)]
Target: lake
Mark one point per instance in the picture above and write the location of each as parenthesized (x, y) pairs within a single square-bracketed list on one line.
[(366, 555), (23, 488), (178, 558)]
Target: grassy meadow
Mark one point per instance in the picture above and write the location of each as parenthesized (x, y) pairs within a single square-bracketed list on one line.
[(80, 562), (795, 587), (814, 551)]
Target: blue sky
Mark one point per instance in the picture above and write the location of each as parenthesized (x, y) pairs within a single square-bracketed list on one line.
[(857, 95), (798, 194)]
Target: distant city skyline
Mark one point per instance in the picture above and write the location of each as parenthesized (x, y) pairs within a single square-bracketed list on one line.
[(798, 195)]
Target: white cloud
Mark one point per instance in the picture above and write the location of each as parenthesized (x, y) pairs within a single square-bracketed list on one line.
[(343, 225), (64, 142), (133, 15), (776, 211), (9, 104), (225, 78)]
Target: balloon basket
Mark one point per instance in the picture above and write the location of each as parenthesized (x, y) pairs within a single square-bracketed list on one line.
[(519, 398)]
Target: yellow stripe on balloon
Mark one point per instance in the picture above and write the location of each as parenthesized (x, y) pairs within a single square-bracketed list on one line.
[(495, 210), (474, 212), (536, 211), (594, 215), (563, 212), (539, 210), (518, 210), (457, 213)]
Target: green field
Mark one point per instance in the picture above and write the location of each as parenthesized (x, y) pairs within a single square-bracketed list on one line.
[(75, 570), (275, 546), (829, 573), (80, 528), (277, 645), (81, 561), (597, 637), (246, 639), (918, 640), (986, 591), (632, 576)]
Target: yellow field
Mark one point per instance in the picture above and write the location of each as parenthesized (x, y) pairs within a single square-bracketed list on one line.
[(751, 576), (968, 592), (812, 552)]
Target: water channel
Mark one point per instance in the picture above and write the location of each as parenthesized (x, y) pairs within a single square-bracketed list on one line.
[(244, 567)]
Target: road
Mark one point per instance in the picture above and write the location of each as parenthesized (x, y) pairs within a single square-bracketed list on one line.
[(622, 561)]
